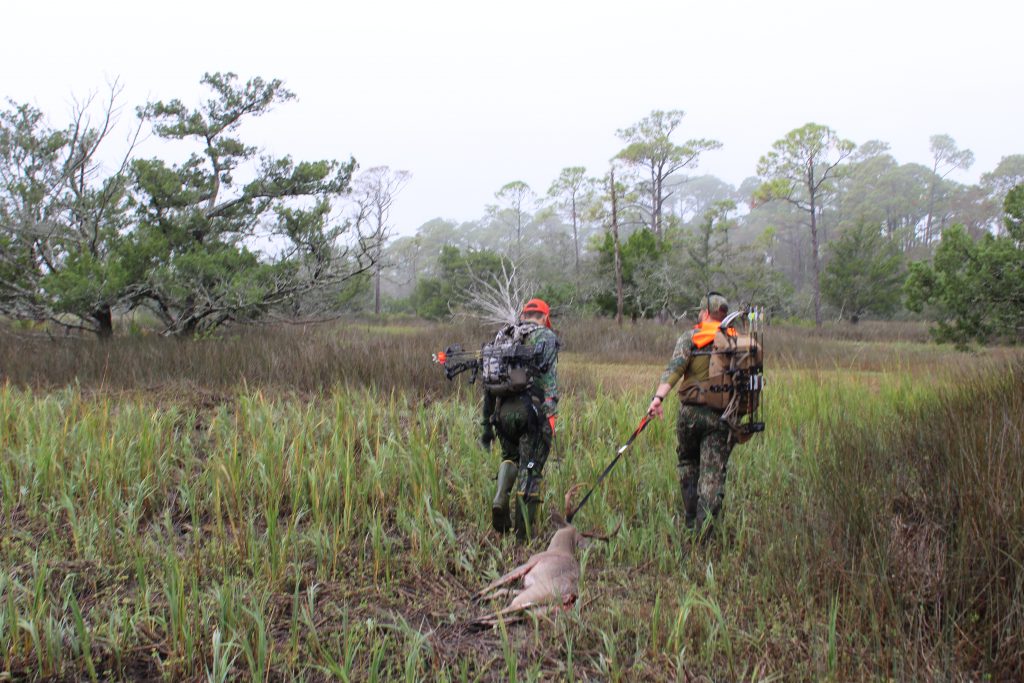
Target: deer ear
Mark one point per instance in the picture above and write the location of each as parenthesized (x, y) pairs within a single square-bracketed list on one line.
[(583, 542), (558, 520)]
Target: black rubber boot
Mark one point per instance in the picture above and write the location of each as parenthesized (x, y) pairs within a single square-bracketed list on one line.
[(688, 487), (501, 520)]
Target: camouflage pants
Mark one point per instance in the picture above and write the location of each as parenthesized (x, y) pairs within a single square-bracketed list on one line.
[(525, 437), (703, 451)]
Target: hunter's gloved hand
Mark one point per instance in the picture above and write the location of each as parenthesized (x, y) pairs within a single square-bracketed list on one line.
[(551, 421), (487, 438)]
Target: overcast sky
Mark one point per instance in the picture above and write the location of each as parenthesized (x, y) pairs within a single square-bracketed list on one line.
[(471, 95)]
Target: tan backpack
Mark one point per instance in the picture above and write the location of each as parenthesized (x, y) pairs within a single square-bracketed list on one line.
[(735, 359), (735, 380)]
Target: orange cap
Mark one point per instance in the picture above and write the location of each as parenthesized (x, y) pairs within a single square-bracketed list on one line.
[(539, 306)]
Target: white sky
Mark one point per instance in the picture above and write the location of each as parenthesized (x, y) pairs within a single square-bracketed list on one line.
[(471, 95)]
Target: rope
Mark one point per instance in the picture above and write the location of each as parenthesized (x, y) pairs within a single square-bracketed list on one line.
[(643, 424)]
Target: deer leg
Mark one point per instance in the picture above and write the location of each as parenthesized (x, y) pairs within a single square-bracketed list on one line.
[(514, 575), (501, 593), (492, 620), (514, 615), (553, 608), (539, 595)]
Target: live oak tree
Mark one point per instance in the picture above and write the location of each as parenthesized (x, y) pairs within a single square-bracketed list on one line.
[(651, 150), (62, 217), (801, 169), (210, 248), (33, 159)]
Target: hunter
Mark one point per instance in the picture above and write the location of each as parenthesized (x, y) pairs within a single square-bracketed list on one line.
[(520, 407), (704, 439)]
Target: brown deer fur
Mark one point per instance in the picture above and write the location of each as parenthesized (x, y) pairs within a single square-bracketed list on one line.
[(550, 578)]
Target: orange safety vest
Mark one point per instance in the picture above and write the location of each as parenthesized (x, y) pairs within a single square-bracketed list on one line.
[(704, 333), (699, 386)]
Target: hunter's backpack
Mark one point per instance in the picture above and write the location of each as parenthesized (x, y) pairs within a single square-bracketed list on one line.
[(508, 365), (735, 380)]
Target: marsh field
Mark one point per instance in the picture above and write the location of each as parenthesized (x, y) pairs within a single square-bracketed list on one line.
[(311, 503)]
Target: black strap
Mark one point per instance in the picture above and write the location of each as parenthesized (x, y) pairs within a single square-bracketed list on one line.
[(640, 428), (533, 418)]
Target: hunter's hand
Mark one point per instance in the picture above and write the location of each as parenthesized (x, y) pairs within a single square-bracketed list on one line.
[(486, 439), (655, 408)]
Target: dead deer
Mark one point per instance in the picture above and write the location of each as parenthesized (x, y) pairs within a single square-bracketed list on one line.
[(550, 579)]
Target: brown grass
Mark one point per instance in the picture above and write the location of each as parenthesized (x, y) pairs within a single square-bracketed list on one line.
[(391, 357)]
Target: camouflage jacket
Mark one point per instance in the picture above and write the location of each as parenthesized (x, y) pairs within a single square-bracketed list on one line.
[(546, 384), (677, 365)]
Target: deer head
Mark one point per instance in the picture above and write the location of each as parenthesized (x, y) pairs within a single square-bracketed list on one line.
[(567, 535)]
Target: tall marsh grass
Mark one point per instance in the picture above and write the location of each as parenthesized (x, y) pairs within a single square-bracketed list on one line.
[(336, 530)]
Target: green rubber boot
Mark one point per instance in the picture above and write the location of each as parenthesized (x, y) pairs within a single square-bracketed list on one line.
[(501, 520)]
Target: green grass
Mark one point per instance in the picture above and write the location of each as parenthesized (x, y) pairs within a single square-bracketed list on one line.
[(337, 532)]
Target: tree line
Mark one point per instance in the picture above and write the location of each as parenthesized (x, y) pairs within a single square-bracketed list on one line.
[(228, 233), (823, 227)]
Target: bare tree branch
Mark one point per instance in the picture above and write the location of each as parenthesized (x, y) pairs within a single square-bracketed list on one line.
[(497, 301)]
